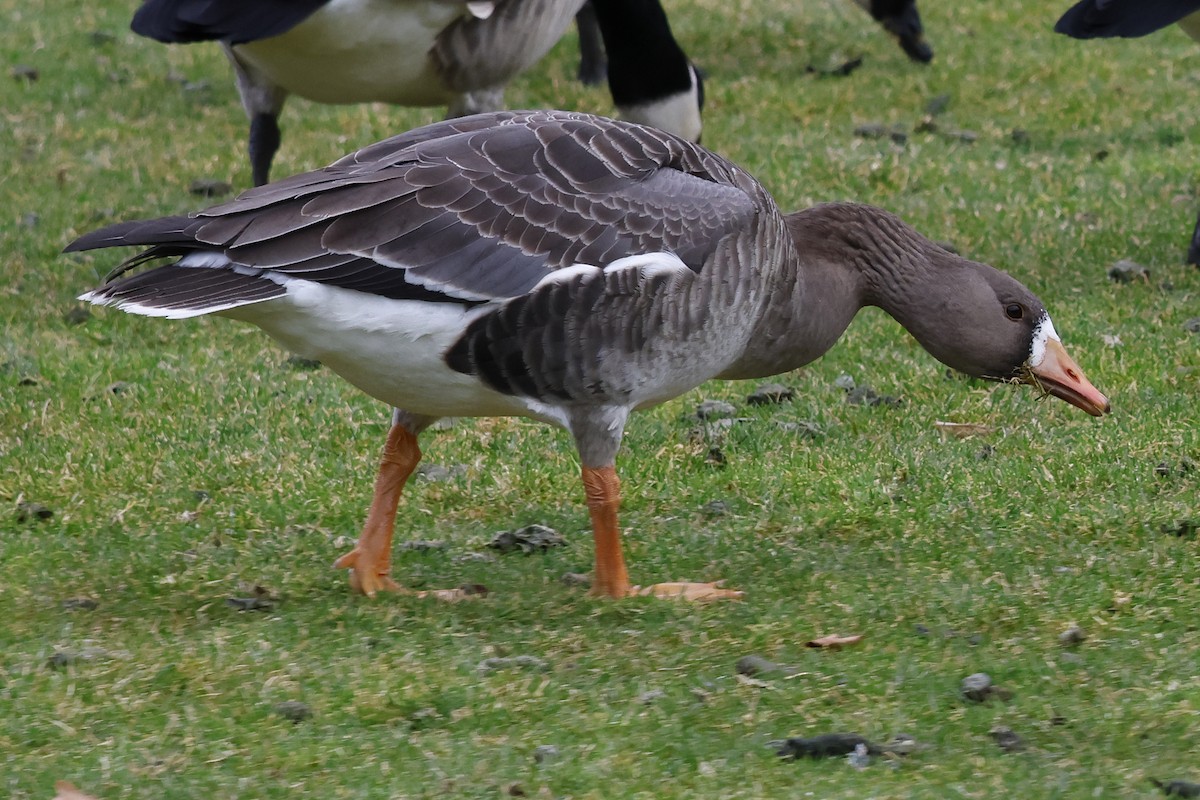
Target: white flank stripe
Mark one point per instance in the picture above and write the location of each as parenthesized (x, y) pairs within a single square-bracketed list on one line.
[(566, 274), (651, 264)]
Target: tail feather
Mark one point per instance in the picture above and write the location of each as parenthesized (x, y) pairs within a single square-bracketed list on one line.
[(163, 231), (177, 292)]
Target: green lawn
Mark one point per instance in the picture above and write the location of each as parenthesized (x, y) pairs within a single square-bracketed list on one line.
[(186, 463)]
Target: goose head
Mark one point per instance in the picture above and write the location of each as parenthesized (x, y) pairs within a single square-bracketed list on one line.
[(982, 322)]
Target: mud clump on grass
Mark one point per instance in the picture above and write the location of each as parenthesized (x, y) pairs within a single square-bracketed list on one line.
[(757, 666), (546, 754), (293, 711), (1072, 636), (33, 512), (1006, 739), (1126, 271), (770, 394), (530, 539), (715, 409), (978, 688)]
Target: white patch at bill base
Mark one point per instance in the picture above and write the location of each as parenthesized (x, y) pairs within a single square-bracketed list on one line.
[(1041, 334)]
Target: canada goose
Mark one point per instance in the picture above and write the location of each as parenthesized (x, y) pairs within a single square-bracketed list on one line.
[(650, 77), (901, 19), (1104, 19), (567, 268), (460, 53)]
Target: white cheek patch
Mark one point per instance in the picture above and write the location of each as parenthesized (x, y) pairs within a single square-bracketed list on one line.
[(1041, 334), (677, 113)]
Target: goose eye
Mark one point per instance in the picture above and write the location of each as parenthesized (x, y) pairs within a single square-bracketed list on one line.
[(1014, 311)]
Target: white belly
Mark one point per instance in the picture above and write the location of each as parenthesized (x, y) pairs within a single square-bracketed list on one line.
[(358, 51), (390, 349)]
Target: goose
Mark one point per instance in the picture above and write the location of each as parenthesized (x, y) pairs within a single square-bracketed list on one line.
[(460, 53), (627, 19), (1104, 19), (570, 269), (651, 80), (901, 19)]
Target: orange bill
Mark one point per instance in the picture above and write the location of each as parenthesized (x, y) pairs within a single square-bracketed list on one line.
[(1060, 376)]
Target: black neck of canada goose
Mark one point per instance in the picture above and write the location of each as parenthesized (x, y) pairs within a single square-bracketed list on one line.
[(650, 77), (1105, 19)]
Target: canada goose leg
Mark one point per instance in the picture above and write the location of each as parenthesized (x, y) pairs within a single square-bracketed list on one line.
[(1193, 254), (264, 143), (593, 68), (263, 102), (477, 101), (370, 562), (609, 578)]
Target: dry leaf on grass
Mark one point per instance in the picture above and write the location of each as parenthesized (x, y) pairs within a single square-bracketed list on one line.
[(833, 641), (65, 790), (962, 430)]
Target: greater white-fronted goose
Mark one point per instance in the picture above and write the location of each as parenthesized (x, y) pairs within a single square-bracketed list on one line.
[(458, 53), (1106, 19), (567, 268)]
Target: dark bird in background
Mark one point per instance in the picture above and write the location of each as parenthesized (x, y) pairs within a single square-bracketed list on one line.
[(458, 53), (568, 268), (1106, 19), (1127, 19), (652, 81), (900, 18)]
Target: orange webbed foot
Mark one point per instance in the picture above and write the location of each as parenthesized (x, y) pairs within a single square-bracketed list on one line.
[(367, 575)]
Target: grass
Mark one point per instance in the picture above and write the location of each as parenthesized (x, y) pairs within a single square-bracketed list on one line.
[(185, 462)]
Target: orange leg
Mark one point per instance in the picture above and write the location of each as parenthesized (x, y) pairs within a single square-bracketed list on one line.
[(370, 562), (603, 490), (610, 579)]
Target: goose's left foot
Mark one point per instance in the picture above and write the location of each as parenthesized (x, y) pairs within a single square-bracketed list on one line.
[(610, 579), (370, 562), (368, 572)]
